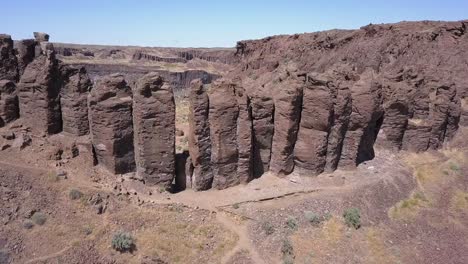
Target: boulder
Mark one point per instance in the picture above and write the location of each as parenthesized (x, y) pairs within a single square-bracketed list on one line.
[(111, 123), (74, 100), (39, 94), (41, 36), (199, 137), (154, 126), (9, 110)]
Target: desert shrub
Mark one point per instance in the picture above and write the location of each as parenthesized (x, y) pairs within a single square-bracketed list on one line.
[(352, 217), (291, 223), (28, 224), (74, 194), (39, 218), (287, 251), (123, 242), (236, 206), (454, 166), (312, 217), (268, 228)]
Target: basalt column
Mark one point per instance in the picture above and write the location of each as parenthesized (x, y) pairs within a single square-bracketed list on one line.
[(244, 136), (223, 114), (74, 100), (154, 124), (316, 119), (287, 95), (263, 127), (39, 89), (199, 137), (8, 61), (365, 121), (8, 102), (110, 107)]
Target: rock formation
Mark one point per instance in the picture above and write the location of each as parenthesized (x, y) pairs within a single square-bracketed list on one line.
[(74, 100), (39, 93), (111, 123), (8, 60), (199, 137), (154, 125), (26, 53)]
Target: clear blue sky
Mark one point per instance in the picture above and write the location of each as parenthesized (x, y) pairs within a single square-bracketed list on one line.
[(205, 23)]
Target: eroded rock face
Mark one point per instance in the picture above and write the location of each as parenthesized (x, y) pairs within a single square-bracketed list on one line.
[(244, 136), (199, 137), (154, 124), (111, 122), (9, 110), (25, 53), (8, 61), (74, 100), (39, 93), (287, 95)]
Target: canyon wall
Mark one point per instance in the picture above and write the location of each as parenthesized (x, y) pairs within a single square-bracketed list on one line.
[(309, 103)]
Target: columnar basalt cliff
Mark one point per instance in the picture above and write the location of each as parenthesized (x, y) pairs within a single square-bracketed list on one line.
[(154, 124), (309, 103), (111, 122)]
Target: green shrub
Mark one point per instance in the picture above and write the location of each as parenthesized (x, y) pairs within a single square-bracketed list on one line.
[(268, 228), (291, 223), (287, 251), (312, 217), (352, 217), (74, 194), (39, 218), (123, 242)]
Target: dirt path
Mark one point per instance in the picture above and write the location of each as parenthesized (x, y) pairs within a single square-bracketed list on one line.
[(244, 242), (44, 258)]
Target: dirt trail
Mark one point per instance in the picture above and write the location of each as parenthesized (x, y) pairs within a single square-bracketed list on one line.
[(244, 242), (47, 257)]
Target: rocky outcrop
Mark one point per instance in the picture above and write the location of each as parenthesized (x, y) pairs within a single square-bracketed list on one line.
[(139, 56), (154, 125), (8, 61), (25, 53), (199, 137), (74, 100), (41, 36), (39, 93), (9, 110), (244, 136), (111, 122)]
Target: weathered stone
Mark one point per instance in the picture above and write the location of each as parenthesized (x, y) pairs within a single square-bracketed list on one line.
[(41, 36), (417, 135), (287, 95), (199, 137), (365, 121), (39, 94), (25, 53), (74, 100), (110, 107), (223, 114), (22, 141), (154, 125), (9, 110), (8, 60), (316, 120)]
